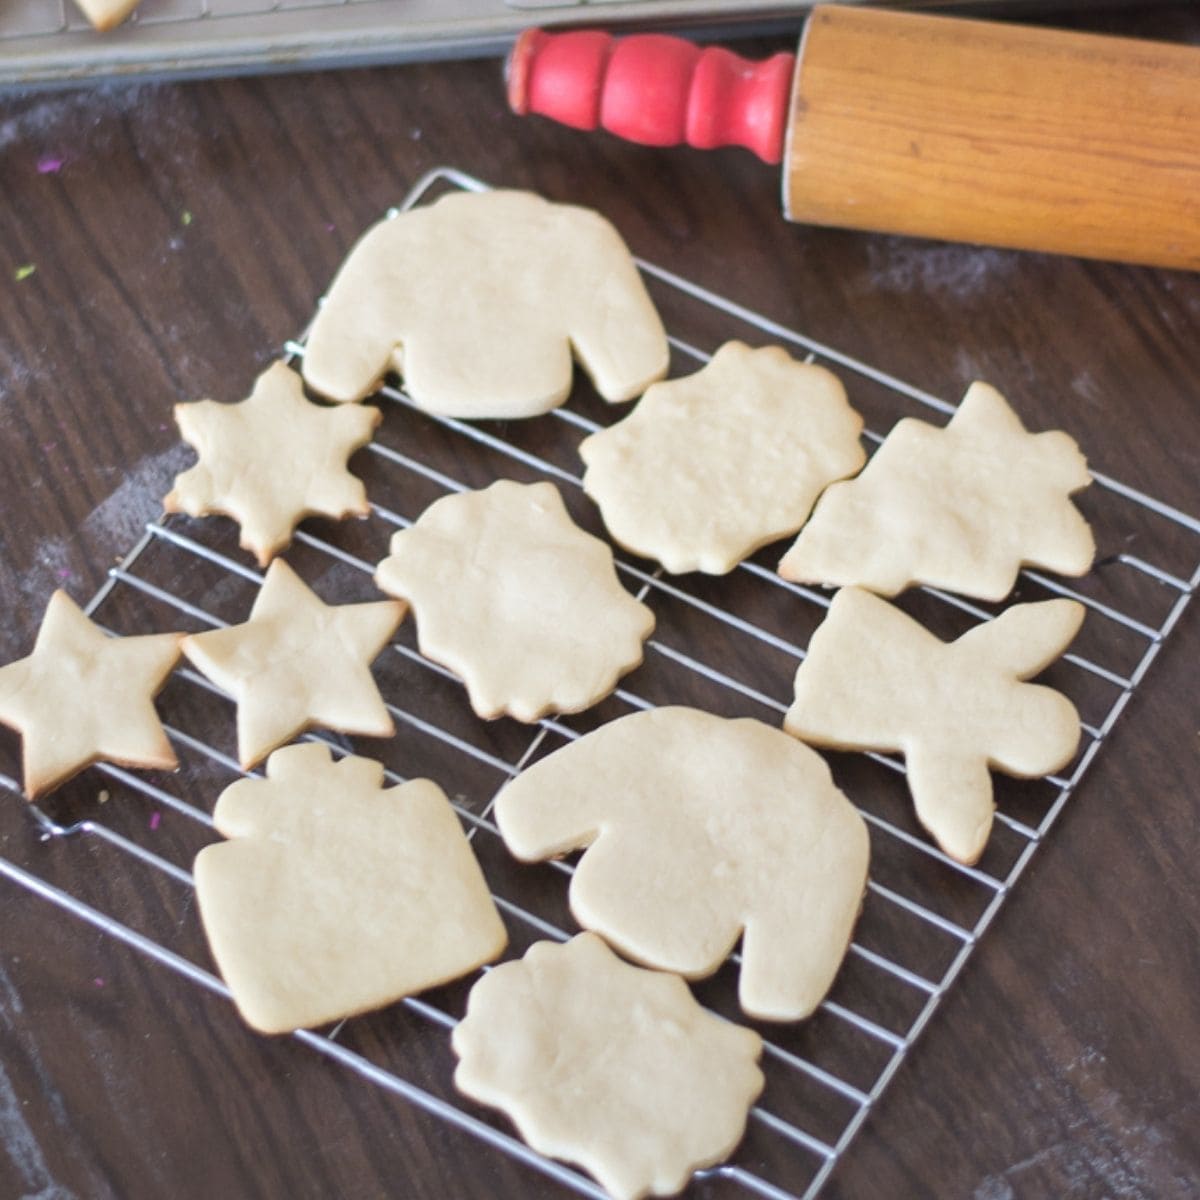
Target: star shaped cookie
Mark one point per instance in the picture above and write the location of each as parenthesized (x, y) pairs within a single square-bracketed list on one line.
[(298, 663), (272, 460), (82, 697)]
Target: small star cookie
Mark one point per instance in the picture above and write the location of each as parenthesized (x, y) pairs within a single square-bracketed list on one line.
[(608, 1065), (708, 468), (874, 679), (298, 663), (334, 896), (694, 829), (82, 697), (961, 508), (271, 460), (480, 300), (517, 600)]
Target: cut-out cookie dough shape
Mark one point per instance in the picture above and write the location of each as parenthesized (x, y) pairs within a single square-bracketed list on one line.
[(479, 300), (83, 697), (961, 508), (518, 601), (271, 460), (695, 828), (335, 896), (298, 663), (607, 1065), (874, 679), (709, 468)]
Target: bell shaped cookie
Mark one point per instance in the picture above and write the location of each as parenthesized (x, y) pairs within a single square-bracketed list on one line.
[(697, 830), (708, 468), (334, 896), (609, 1066), (961, 508), (271, 460), (517, 600), (874, 679), (479, 301)]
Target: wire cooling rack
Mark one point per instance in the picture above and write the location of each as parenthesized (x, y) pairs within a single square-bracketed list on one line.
[(730, 645)]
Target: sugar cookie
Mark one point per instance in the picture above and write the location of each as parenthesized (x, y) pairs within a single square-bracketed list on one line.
[(479, 301), (708, 468), (961, 508), (517, 600), (607, 1065), (82, 697), (298, 663), (271, 460), (335, 896), (874, 679), (695, 828)]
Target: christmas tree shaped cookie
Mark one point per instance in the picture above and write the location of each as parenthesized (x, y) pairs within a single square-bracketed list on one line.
[(82, 697), (694, 829), (334, 896), (298, 663), (708, 468), (961, 508), (607, 1065), (479, 301), (517, 600), (271, 460), (874, 679)]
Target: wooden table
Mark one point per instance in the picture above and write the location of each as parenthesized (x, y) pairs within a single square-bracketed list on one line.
[(186, 236)]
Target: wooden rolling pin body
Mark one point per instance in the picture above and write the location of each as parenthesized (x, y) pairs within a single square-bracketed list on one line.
[(1000, 134), (937, 127)]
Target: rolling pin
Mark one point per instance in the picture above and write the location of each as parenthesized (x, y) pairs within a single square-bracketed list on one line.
[(937, 127)]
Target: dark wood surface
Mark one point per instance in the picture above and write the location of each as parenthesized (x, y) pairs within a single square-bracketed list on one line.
[(1066, 1060)]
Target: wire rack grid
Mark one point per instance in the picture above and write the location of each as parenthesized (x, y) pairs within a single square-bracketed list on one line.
[(924, 913)]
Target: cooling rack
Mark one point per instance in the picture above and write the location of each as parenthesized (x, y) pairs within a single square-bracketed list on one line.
[(730, 645)]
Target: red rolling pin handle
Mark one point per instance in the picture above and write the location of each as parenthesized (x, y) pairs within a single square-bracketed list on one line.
[(653, 89)]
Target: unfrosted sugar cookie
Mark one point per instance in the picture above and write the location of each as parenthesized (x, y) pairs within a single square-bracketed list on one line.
[(298, 663), (271, 460), (334, 895), (479, 301), (961, 508), (708, 468), (82, 697), (608, 1065), (517, 600), (694, 829), (874, 679)]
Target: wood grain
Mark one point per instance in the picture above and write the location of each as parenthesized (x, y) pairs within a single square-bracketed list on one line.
[(997, 134), (1064, 1062)]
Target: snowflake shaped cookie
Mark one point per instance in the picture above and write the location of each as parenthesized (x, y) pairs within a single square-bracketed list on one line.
[(708, 468), (517, 600), (694, 829), (961, 508), (874, 679), (271, 460), (608, 1065), (82, 697), (479, 301), (335, 895)]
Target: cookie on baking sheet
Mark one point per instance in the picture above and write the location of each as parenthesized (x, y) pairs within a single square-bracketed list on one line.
[(695, 830), (83, 697), (106, 14), (334, 895), (298, 663), (517, 600), (479, 301), (961, 508), (708, 468), (608, 1065), (874, 679), (272, 460)]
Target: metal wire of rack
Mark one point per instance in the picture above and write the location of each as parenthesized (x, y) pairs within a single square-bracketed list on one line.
[(924, 913)]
